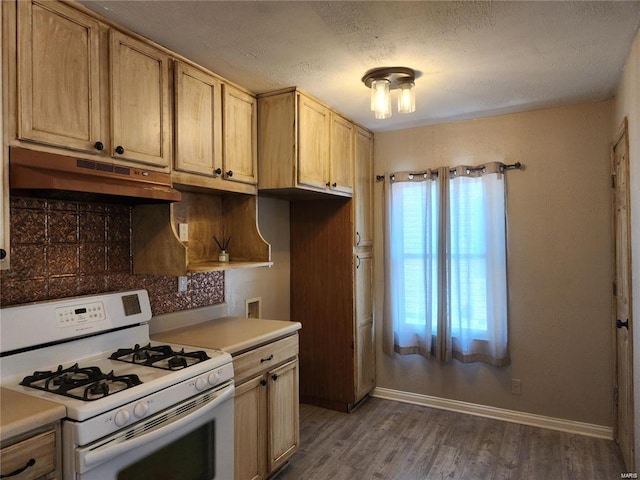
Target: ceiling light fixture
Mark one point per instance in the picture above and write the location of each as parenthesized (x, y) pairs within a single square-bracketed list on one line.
[(382, 80)]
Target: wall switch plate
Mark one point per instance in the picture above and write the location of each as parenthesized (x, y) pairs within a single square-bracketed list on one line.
[(516, 386), (182, 284), (183, 232)]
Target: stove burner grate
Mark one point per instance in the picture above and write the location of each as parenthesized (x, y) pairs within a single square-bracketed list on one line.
[(160, 356), (82, 383)]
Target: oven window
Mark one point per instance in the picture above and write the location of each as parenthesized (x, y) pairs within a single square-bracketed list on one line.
[(188, 458)]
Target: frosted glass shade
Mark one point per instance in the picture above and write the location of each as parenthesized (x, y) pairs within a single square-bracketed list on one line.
[(381, 98), (406, 97)]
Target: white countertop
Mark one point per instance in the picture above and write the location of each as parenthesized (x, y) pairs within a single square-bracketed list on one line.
[(230, 334), (20, 413)]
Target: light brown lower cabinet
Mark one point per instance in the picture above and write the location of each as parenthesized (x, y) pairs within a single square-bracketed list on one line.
[(266, 409), (35, 457)]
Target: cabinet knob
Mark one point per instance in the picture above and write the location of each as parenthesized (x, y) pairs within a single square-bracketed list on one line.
[(3, 254), (119, 150), (274, 377), (230, 173), (99, 146), (357, 238), (263, 382), (334, 184), (358, 261), (218, 171), (328, 184)]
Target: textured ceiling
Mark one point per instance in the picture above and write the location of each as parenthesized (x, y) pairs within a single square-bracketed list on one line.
[(474, 58)]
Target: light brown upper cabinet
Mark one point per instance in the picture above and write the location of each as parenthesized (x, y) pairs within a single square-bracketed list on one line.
[(240, 126), (363, 189), (198, 121), (59, 88), (303, 146), (341, 159), (215, 133), (67, 60), (140, 102)]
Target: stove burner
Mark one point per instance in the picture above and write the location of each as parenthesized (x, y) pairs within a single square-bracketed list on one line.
[(160, 356), (83, 383)]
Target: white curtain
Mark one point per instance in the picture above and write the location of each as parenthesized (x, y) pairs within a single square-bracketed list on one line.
[(445, 265)]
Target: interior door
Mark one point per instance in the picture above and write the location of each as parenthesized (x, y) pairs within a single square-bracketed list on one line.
[(624, 325)]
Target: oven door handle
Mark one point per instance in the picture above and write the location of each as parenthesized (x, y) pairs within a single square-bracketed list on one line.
[(104, 453)]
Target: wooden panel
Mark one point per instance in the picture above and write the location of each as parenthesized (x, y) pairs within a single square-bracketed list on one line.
[(284, 432), (140, 109), (203, 214), (364, 332), (363, 189), (41, 448), (59, 76), (198, 126), (156, 248), (277, 142), (250, 408), (313, 147), (322, 299), (262, 358), (240, 136), (240, 220), (341, 158)]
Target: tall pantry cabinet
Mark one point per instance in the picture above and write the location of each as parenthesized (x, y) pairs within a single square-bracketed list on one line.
[(331, 289)]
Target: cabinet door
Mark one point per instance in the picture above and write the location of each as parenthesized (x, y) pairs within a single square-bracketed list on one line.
[(365, 354), (363, 192), (341, 158), (59, 98), (284, 434), (198, 125), (313, 148), (140, 105), (250, 432), (240, 136)]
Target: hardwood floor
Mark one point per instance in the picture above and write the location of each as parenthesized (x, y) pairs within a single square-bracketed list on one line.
[(389, 440)]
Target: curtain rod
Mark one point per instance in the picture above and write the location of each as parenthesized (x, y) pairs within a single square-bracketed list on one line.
[(513, 166)]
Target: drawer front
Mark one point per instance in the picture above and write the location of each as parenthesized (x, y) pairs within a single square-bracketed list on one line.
[(263, 358), (37, 454)]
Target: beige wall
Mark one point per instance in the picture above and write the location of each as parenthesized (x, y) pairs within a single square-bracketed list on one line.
[(272, 284), (627, 104), (559, 263)]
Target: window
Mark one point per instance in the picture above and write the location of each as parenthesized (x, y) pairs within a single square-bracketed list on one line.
[(445, 264)]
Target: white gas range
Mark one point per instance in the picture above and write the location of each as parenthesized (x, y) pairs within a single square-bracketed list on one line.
[(135, 408)]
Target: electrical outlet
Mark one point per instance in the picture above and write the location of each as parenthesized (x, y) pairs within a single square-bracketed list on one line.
[(183, 232), (516, 386), (182, 284)]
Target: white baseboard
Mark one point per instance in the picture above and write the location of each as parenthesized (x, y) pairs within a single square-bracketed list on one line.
[(513, 416)]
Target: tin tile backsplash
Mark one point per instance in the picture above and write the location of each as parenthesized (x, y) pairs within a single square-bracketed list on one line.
[(61, 248)]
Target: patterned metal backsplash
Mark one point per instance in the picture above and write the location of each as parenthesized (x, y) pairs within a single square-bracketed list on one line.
[(63, 248)]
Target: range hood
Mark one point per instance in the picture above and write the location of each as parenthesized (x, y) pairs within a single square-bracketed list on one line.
[(60, 176)]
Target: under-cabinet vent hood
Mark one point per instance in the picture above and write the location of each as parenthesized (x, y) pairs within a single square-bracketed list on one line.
[(48, 174)]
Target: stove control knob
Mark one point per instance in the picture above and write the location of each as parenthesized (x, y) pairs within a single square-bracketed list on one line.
[(121, 418), (141, 409), (213, 378), (201, 384)]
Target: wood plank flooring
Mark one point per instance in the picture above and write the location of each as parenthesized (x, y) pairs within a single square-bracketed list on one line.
[(390, 440)]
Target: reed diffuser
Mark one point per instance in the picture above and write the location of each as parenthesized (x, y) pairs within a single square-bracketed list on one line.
[(223, 256)]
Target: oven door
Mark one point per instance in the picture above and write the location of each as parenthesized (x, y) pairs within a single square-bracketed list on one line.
[(190, 441)]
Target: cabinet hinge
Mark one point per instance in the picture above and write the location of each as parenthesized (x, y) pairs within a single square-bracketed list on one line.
[(615, 396), (613, 181), (615, 289)]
